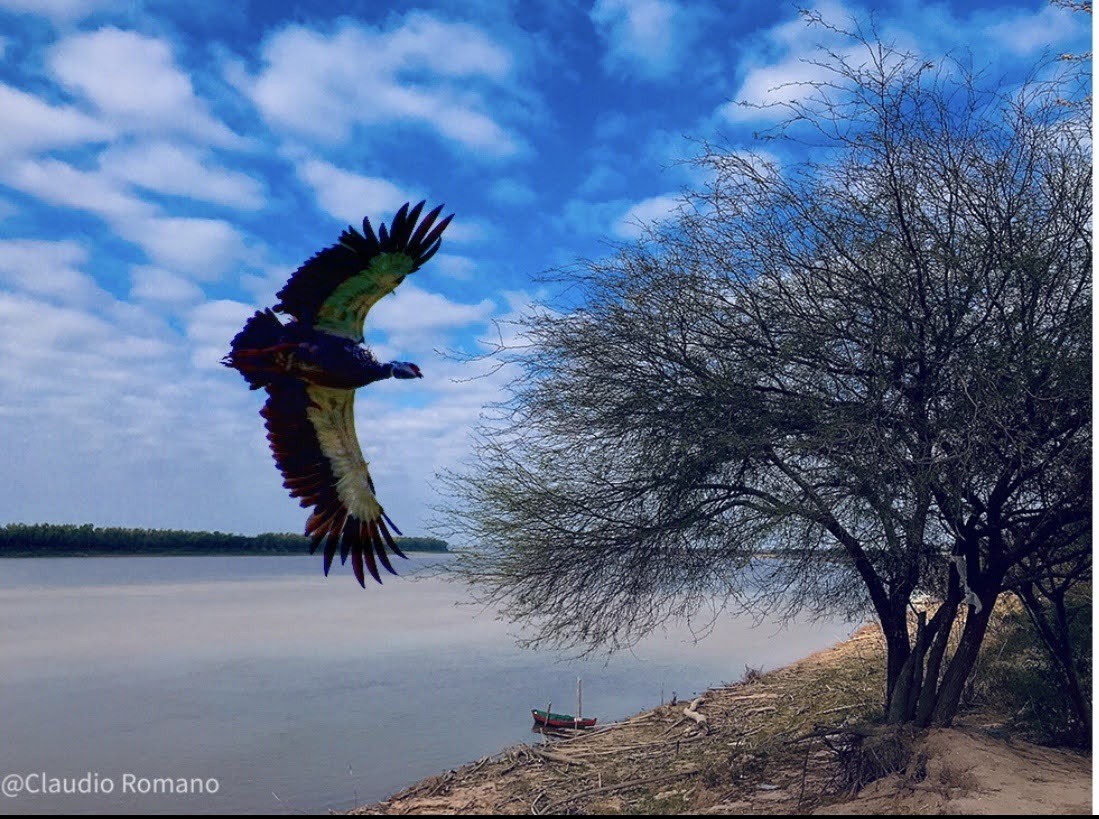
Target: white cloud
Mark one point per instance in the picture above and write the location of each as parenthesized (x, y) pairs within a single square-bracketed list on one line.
[(417, 319), (203, 248), (655, 209), (154, 284), (456, 267), (167, 168), (135, 82), (647, 37), (425, 72), (350, 196), (468, 230), (200, 247), (49, 269), (768, 86), (33, 125), (59, 183), (777, 69), (1027, 32)]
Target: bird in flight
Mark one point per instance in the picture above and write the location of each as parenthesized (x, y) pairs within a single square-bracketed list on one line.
[(311, 367)]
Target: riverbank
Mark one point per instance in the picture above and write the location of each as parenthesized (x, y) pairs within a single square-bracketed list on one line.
[(771, 744)]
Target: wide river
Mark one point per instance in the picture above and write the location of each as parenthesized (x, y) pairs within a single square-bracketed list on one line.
[(292, 692)]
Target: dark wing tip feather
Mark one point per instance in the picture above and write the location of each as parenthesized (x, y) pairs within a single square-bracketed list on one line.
[(392, 525), (312, 283), (379, 547), (389, 538)]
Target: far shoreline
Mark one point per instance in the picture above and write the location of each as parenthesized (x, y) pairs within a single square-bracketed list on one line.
[(20, 540)]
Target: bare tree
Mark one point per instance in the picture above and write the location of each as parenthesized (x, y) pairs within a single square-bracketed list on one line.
[(833, 382)]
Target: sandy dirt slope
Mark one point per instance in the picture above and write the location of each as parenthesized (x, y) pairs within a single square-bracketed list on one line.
[(960, 772)]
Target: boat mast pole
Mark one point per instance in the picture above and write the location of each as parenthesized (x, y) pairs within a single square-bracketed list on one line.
[(579, 703)]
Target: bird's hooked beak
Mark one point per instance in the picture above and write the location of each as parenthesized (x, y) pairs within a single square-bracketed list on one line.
[(416, 370)]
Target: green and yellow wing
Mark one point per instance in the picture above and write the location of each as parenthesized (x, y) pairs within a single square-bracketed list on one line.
[(336, 288)]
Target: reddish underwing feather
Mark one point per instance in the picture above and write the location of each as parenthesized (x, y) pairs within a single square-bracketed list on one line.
[(323, 519)]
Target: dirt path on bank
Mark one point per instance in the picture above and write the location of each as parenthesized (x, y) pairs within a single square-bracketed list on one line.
[(751, 748)]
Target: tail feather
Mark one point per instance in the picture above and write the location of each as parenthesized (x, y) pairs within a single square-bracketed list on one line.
[(250, 351)]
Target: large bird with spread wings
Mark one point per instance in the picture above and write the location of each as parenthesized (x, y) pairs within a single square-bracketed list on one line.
[(312, 366)]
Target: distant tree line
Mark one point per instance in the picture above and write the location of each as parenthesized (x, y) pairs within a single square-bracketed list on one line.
[(65, 540)]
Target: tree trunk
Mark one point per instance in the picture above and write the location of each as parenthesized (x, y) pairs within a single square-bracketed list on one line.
[(898, 651), (948, 611), (1059, 645), (961, 664)]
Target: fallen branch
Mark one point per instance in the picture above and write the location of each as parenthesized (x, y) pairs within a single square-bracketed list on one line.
[(691, 712)]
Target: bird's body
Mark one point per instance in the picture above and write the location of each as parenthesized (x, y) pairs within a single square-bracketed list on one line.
[(311, 367), (271, 350)]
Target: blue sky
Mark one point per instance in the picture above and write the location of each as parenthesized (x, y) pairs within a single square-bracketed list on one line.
[(164, 166)]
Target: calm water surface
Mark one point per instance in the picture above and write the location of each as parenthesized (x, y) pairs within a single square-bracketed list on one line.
[(297, 693)]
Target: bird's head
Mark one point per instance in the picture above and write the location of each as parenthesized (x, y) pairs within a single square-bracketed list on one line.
[(406, 369)]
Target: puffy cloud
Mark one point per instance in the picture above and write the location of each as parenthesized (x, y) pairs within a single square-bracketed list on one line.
[(49, 269), (113, 424), (456, 267), (350, 196), (1028, 32), (182, 171), (135, 82), (156, 285), (414, 318), (59, 183), (425, 72), (30, 124), (646, 37), (201, 247), (655, 209)]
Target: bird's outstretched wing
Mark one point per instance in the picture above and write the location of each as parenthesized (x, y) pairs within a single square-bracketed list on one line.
[(336, 288), (312, 434)]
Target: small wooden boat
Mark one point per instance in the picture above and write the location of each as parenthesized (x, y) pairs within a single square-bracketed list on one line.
[(551, 720)]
